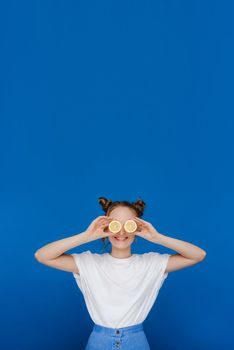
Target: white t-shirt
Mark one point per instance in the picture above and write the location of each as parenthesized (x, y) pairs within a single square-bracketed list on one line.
[(120, 292)]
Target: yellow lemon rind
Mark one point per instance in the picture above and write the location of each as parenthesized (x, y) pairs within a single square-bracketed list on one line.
[(114, 226), (130, 226)]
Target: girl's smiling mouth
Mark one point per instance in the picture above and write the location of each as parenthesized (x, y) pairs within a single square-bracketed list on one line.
[(120, 238)]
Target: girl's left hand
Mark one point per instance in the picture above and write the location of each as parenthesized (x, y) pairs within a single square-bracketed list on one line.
[(146, 230)]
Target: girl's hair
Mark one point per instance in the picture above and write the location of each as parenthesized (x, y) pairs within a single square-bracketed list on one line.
[(108, 205)]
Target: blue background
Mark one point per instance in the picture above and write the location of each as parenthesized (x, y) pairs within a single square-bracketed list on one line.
[(118, 99)]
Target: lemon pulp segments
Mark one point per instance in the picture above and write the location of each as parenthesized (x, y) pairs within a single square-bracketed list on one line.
[(115, 226), (130, 226)]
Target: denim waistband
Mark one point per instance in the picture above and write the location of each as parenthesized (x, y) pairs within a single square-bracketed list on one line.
[(118, 331)]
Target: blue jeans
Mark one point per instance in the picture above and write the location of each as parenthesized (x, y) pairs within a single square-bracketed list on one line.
[(125, 338)]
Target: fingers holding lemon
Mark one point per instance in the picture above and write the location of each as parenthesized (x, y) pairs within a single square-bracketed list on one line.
[(97, 228), (146, 230)]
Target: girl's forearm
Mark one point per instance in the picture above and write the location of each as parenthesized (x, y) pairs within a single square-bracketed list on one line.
[(54, 249), (186, 249)]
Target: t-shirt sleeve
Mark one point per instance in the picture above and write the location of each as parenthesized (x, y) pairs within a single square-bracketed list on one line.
[(157, 265), (83, 263)]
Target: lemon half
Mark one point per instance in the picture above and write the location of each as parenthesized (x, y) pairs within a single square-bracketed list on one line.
[(130, 226), (115, 226)]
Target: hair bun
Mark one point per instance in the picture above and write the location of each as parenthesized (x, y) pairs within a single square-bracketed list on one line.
[(105, 203), (139, 205)]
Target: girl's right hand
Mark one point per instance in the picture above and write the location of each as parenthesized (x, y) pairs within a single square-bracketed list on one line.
[(99, 228)]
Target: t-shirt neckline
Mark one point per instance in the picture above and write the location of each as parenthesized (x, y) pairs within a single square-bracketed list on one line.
[(119, 260)]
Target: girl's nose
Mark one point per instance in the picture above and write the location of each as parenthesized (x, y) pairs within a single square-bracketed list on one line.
[(122, 231)]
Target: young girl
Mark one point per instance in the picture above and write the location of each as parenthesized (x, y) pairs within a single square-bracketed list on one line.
[(119, 288)]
